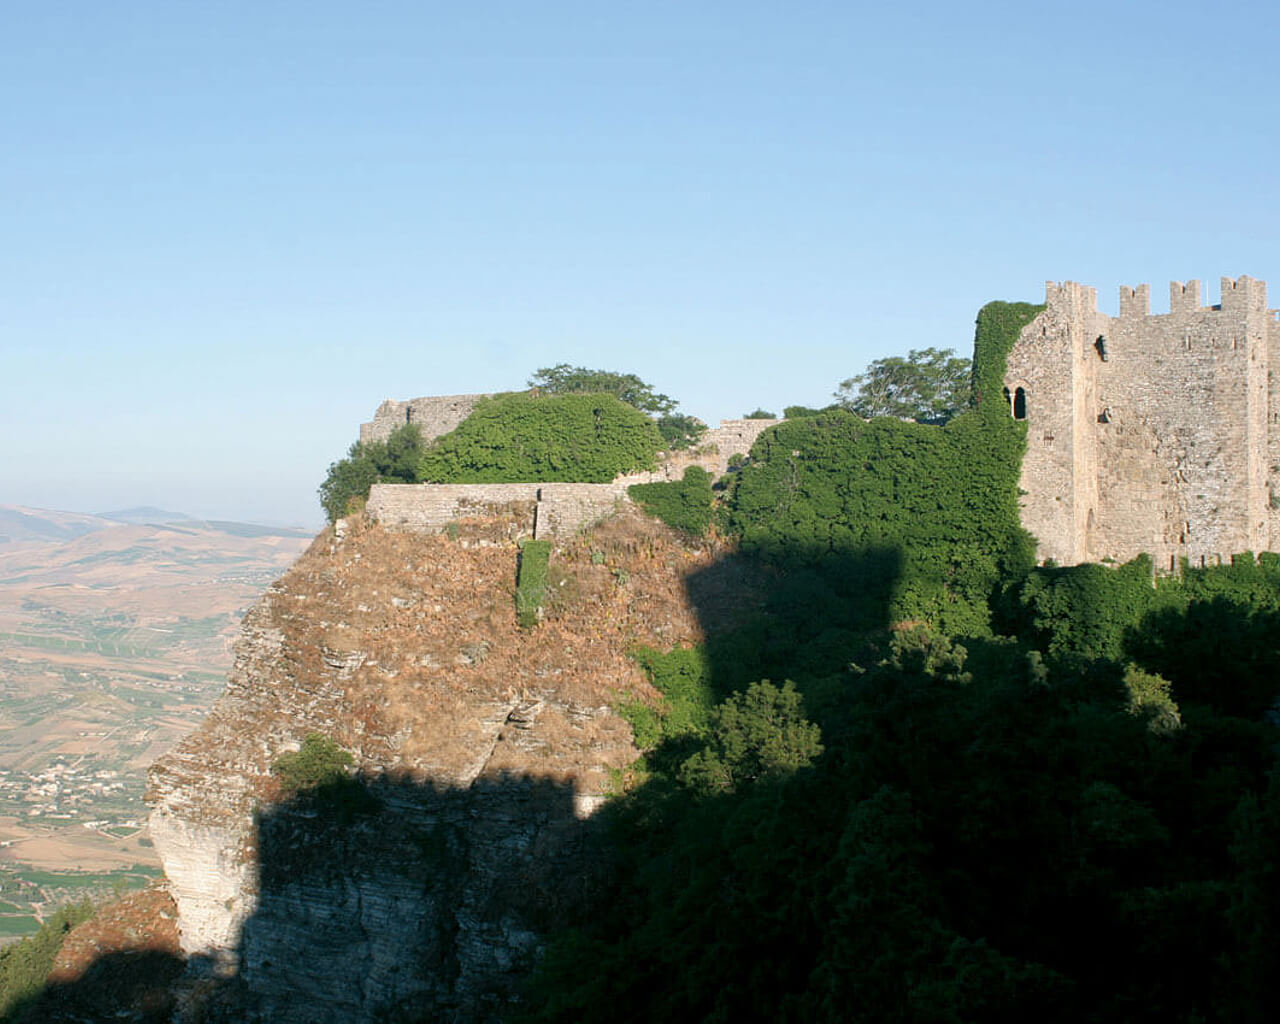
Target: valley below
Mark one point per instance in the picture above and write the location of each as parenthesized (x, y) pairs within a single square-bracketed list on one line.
[(115, 639)]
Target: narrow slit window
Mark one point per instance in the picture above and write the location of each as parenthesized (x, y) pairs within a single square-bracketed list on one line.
[(1020, 404)]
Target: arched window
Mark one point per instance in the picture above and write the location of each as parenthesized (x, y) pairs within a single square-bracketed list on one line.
[(1020, 404)]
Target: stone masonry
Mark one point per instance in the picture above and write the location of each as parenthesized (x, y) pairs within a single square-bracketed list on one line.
[(1150, 433), (434, 415)]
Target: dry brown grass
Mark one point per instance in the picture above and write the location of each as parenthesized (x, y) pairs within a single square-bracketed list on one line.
[(437, 661)]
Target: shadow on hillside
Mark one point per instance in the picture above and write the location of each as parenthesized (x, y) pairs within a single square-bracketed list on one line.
[(1217, 652), (818, 611), (380, 900)]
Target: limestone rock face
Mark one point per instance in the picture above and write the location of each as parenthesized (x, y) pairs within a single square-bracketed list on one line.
[(421, 888)]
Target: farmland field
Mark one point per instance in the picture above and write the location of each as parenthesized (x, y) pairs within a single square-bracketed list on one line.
[(114, 642)]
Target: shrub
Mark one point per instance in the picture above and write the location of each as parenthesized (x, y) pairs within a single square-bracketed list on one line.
[(348, 481), (319, 763), (680, 432), (685, 505), (531, 580), (759, 733)]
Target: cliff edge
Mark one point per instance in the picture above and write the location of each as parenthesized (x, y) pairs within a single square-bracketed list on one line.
[(480, 752)]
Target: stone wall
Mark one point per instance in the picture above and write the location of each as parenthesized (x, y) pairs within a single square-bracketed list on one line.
[(1149, 433), (431, 507), (552, 509), (435, 415)]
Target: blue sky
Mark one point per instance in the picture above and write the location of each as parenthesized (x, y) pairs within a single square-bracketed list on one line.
[(231, 229)]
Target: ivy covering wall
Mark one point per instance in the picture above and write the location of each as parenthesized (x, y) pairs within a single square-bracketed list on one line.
[(939, 501), (579, 438)]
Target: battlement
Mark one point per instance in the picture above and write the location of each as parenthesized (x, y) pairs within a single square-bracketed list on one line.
[(1070, 298), (1239, 296), (1184, 298), (1244, 295), (1135, 302)]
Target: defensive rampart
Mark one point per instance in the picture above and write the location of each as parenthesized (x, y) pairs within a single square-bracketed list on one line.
[(549, 509)]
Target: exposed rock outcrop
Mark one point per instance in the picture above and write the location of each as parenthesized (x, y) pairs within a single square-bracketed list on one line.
[(480, 752)]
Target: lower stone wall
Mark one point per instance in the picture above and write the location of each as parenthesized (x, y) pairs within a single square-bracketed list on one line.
[(434, 506), (558, 509), (564, 509)]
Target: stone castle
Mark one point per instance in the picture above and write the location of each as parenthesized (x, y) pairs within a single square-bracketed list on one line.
[(1155, 433), (1150, 433)]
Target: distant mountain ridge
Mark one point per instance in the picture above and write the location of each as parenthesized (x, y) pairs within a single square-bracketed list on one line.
[(20, 524)]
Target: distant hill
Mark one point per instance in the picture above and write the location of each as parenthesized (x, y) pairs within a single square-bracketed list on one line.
[(20, 525), (145, 515)]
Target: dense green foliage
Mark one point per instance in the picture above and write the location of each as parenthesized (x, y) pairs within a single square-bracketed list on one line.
[(1075, 821), (394, 460), (760, 733), (582, 438), (25, 964), (930, 385), (760, 414), (531, 580), (563, 379), (1212, 632), (844, 496), (685, 505), (982, 838)]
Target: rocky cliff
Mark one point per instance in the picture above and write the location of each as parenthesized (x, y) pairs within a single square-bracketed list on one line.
[(480, 752)]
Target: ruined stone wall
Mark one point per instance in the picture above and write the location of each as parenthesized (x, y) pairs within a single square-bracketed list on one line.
[(1148, 433), (435, 416), (564, 509), (431, 507)]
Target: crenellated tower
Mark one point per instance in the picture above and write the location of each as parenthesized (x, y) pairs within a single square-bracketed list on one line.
[(1150, 432)]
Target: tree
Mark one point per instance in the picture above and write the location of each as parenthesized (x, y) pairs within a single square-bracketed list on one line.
[(564, 379), (679, 432), (930, 385), (760, 414), (395, 459), (755, 734)]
